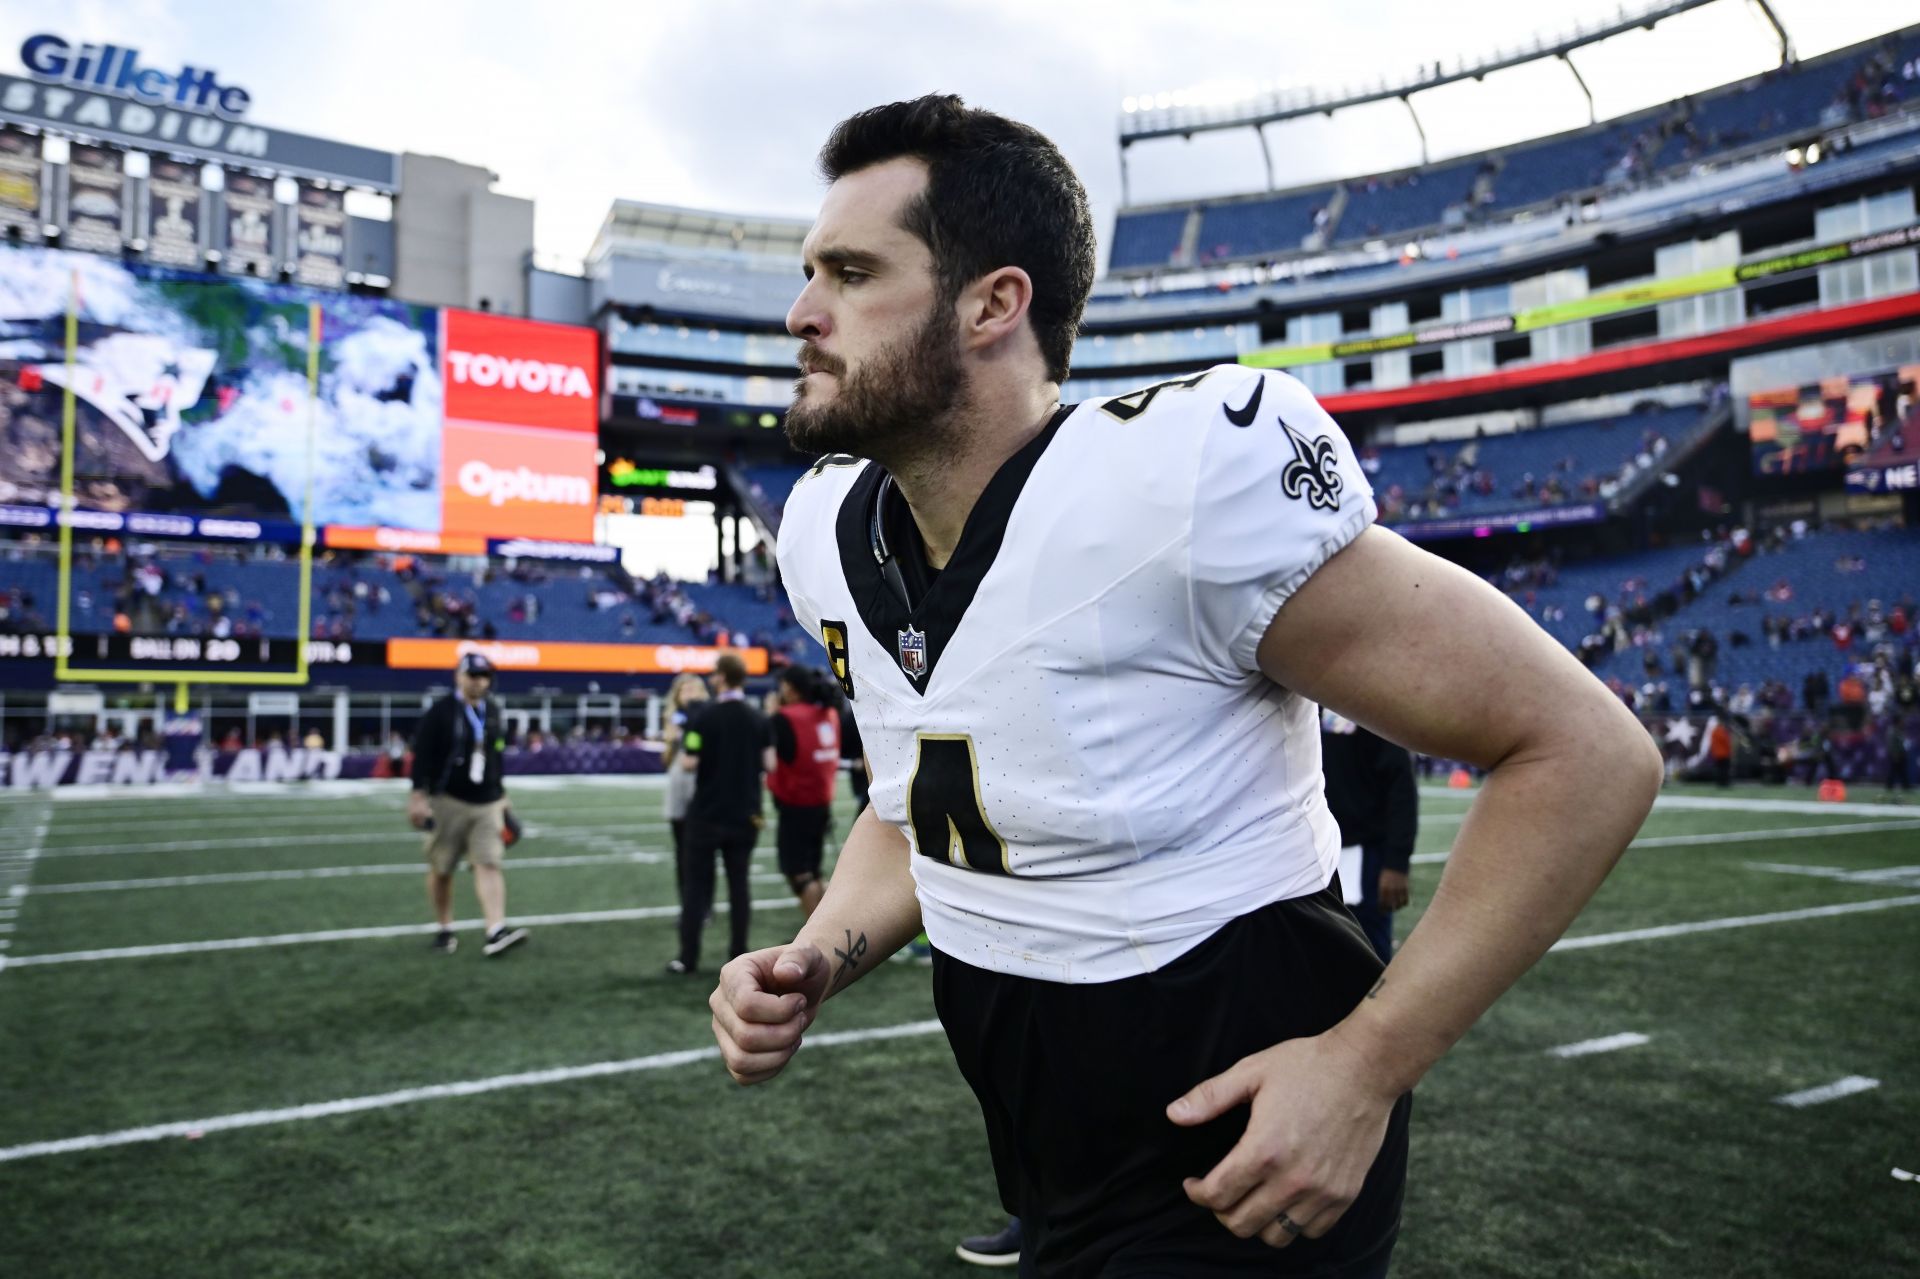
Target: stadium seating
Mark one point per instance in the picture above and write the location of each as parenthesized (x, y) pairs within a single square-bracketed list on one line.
[(1248, 228), (1559, 603), (256, 597), (770, 485), (1147, 238), (1548, 170), (1554, 465), (1792, 100), (1788, 103), (366, 599), (1409, 202), (754, 610), (1670, 595), (1833, 573)]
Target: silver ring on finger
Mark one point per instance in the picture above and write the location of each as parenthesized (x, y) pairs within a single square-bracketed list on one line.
[(1286, 1223)]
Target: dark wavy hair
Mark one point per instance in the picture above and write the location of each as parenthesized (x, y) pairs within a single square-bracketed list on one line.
[(998, 194), (810, 685)]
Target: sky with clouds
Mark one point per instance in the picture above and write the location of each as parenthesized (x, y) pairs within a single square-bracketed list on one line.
[(721, 104)]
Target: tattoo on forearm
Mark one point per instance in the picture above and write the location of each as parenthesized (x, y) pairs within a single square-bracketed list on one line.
[(1376, 988), (849, 960)]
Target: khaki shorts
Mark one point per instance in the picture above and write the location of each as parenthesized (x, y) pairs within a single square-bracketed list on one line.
[(464, 830)]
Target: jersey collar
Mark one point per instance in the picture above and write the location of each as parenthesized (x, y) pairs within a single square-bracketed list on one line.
[(883, 559)]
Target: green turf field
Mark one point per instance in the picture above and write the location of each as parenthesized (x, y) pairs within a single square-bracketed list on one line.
[(1671, 1157)]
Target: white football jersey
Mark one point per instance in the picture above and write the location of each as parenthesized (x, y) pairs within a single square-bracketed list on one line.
[(1070, 727)]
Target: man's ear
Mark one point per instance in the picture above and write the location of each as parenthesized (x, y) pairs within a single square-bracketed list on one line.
[(995, 306)]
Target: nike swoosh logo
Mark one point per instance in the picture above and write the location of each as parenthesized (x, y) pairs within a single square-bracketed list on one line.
[(1244, 416)]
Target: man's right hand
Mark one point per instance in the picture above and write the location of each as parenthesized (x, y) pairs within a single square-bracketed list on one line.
[(765, 1001), (418, 810)]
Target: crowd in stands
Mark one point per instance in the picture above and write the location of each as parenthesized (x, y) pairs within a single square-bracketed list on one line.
[(769, 486), (1813, 670), (1800, 647), (20, 610), (487, 600), (1548, 466), (207, 591), (133, 587)]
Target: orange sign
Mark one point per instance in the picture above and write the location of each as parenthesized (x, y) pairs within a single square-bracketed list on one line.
[(400, 539), (521, 372), (543, 655), (502, 481)]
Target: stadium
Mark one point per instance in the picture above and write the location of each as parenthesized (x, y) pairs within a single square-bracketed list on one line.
[(291, 425)]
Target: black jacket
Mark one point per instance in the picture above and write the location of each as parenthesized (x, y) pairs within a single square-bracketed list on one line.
[(442, 745), (729, 736), (1371, 793)]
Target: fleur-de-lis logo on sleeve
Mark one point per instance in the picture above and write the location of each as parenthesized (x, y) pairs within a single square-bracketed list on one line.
[(1313, 473)]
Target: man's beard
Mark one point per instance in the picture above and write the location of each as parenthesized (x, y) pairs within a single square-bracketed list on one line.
[(899, 404)]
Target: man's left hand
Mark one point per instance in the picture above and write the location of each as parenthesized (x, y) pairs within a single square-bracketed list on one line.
[(1395, 889), (1315, 1129)]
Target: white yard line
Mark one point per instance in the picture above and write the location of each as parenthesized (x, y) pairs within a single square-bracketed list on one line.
[(337, 872), (197, 1128), (1728, 804), (386, 817), (662, 912), (1720, 925), (1741, 836), (315, 799), (1611, 1043), (396, 834), (267, 839), (203, 793), (16, 869), (1884, 876), (1828, 1092), (1791, 832), (362, 934)]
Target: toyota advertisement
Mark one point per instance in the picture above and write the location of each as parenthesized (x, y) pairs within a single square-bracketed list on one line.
[(431, 429), (522, 425)]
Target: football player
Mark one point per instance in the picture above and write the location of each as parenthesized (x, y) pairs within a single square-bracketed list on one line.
[(1085, 644)]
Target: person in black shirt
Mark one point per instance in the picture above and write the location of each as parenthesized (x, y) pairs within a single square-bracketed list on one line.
[(459, 800), (727, 747), (1371, 794)]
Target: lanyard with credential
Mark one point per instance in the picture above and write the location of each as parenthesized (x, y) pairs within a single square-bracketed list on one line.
[(477, 762)]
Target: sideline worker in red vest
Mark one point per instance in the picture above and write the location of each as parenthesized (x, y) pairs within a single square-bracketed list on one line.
[(806, 743)]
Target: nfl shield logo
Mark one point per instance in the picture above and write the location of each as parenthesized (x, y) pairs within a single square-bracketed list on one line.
[(913, 652)]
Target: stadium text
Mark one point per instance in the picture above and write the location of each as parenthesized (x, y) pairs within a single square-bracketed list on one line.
[(57, 105), (117, 70), (43, 770), (184, 648)]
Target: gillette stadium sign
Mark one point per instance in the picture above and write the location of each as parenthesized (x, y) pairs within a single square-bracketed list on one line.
[(110, 68), (116, 94)]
